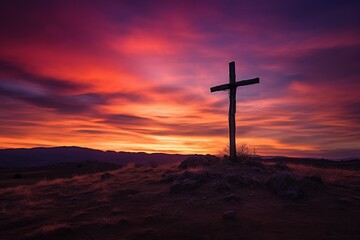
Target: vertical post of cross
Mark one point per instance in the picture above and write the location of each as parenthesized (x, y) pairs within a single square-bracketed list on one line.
[(232, 111), (231, 86)]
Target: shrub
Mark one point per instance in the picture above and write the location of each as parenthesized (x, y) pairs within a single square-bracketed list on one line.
[(243, 152)]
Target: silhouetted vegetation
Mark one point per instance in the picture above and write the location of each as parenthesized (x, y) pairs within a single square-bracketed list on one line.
[(244, 152)]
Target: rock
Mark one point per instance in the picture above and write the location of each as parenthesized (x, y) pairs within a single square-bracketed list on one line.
[(229, 215), (254, 162), (214, 176), (242, 180), (220, 186), (198, 161), (315, 178), (200, 177), (285, 184), (105, 176), (170, 177), (281, 166), (194, 162), (311, 183), (232, 198), (188, 181), (212, 159), (183, 185)]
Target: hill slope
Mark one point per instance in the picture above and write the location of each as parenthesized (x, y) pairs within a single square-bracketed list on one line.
[(219, 200)]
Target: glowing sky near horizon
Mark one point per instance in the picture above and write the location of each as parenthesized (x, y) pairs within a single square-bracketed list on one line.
[(135, 75)]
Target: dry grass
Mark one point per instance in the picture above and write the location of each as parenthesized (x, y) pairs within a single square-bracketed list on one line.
[(330, 175), (134, 199)]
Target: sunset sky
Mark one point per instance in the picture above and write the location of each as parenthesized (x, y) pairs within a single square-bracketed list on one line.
[(136, 75)]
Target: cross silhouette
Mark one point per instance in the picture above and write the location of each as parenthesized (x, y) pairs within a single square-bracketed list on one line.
[(232, 85)]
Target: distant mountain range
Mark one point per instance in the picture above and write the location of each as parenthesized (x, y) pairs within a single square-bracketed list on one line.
[(32, 157)]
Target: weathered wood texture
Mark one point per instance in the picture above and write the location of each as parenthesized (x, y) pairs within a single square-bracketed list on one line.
[(227, 86), (232, 111), (232, 85)]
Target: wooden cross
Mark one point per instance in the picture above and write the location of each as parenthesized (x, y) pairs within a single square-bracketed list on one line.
[(232, 85)]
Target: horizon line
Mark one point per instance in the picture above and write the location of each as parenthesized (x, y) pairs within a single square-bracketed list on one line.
[(177, 153)]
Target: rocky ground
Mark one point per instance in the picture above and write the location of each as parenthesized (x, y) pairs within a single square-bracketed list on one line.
[(200, 198)]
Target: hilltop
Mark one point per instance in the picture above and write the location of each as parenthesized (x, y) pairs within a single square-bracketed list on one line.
[(201, 197)]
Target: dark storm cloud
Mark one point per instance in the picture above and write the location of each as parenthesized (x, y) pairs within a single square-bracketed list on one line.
[(53, 93), (42, 21), (60, 103), (63, 103), (327, 65), (154, 127), (316, 15), (15, 72)]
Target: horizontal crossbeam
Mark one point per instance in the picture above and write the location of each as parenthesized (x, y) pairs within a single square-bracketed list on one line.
[(235, 85)]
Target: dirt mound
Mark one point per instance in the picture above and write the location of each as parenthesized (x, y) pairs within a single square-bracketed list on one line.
[(198, 161)]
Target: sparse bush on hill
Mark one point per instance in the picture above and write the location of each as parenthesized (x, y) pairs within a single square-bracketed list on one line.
[(243, 152)]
